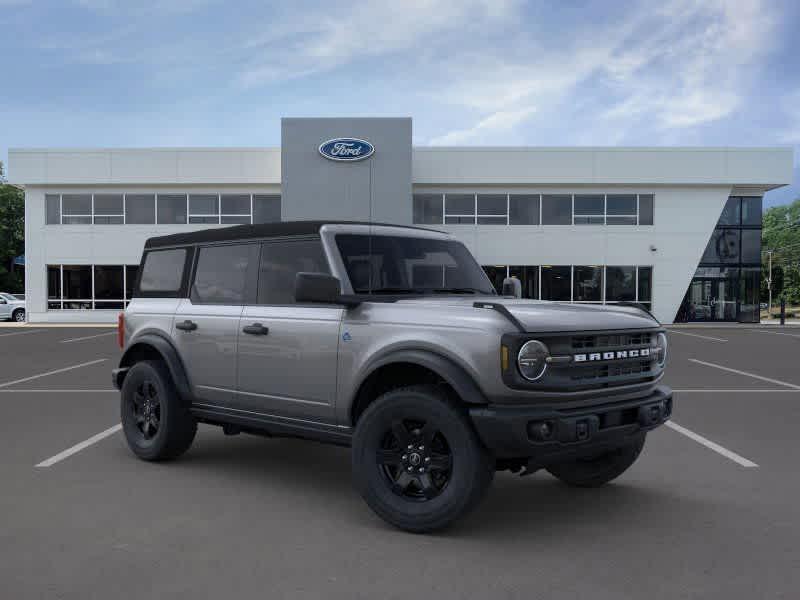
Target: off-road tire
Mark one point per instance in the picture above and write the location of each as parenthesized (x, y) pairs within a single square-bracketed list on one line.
[(437, 505), (176, 426), (599, 470)]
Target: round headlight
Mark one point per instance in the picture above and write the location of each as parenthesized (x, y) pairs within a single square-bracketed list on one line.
[(532, 360), (661, 344)]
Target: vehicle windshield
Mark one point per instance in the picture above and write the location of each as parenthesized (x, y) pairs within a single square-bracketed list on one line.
[(385, 264)]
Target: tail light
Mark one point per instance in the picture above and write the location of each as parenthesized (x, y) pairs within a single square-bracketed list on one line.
[(121, 330)]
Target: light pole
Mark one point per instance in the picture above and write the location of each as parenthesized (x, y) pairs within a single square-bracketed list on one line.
[(769, 285)]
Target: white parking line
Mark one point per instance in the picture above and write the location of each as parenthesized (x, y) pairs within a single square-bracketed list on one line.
[(794, 335), (730, 455), (22, 332), (745, 373), (79, 446), (697, 335), (88, 337), (24, 379)]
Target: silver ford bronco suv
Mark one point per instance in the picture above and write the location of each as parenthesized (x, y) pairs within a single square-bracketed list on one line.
[(391, 340)]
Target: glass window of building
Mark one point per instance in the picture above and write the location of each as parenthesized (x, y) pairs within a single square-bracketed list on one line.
[(751, 211), (557, 209), (587, 284), (77, 286), (556, 283), (523, 209), (723, 247), (620, 284), (219, 277), (621, 209), (53, 209), (109, 287), (140, 209), (529, 278), (646, 209), (53, 287), (731, 212), (109, 209), (492, 209), (645, 285), (496, 274), (171, 208), (204, 208), (266, 208), (428, 209), (751, 246), (589, 209), (749, 294), (131, 272), (76, 209), (235, 209), (459, 209)]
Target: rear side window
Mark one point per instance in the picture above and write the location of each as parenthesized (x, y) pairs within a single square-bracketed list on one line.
[(280, 264), (221, 274), (163, 271)]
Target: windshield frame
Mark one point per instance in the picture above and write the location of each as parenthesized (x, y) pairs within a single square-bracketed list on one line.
[(465, 260)]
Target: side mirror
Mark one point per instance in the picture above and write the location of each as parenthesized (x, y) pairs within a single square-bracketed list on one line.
[(512, 287), (317, 287)]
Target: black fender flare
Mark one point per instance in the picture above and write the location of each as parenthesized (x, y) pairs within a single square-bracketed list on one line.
[(169, 355), (452, 373)]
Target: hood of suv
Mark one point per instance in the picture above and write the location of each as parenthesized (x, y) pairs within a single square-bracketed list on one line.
[(537, 315)]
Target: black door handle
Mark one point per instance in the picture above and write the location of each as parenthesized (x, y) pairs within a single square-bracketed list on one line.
[(256, 329), (187, 325)]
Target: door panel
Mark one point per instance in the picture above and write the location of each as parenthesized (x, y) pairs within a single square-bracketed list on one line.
[(209, 350), (5, 309), (290, 370)]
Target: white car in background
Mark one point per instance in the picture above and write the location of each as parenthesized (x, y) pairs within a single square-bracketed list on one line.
[(12, 308)]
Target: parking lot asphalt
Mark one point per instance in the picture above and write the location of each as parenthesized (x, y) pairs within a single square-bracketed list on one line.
[(710, 510)]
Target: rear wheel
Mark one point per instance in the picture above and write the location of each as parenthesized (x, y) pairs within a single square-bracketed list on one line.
[(156, 423), (19, 315), (598, 470), (417, 461)]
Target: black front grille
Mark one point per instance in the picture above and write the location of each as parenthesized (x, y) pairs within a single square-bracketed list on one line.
[(600, 372), (582, 342)]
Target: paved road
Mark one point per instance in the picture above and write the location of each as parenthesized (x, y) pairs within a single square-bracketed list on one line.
[(242, 517)]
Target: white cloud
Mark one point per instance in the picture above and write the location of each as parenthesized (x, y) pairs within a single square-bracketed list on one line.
[(496, 122)]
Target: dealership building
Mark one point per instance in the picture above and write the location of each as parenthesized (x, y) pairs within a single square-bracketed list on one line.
[(676, 229)]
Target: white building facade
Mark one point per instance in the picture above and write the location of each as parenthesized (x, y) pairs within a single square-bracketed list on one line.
[(677, 229)]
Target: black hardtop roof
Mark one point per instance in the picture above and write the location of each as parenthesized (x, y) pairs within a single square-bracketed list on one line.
[(248, 232)]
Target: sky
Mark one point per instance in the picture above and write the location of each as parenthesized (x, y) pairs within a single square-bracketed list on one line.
[(108, 73)]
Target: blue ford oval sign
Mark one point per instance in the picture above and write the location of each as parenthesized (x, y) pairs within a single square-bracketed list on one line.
[(346, 149)]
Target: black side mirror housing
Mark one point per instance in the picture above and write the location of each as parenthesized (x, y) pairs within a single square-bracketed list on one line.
[(317, 287)]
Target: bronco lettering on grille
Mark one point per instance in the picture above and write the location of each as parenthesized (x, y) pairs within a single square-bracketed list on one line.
[(615, 355)]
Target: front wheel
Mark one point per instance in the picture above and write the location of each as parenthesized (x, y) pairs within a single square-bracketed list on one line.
[(598, 470), (19, 315), (156, 423), (417, 462)]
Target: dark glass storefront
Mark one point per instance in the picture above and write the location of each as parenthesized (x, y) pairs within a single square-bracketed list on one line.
[(726, 284)]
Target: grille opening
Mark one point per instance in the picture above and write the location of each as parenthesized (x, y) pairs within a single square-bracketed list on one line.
[(601, 341), (611, 370)]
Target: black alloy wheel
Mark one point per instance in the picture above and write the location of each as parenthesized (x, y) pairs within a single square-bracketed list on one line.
[(416, 459), (147, 408)]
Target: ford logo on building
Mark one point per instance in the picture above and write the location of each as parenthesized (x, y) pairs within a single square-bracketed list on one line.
[(346, 149)]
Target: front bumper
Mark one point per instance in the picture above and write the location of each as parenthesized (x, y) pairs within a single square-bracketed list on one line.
[(548, 434)]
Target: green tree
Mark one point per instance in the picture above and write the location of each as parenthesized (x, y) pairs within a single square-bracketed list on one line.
[(12, 234), (781, 235)]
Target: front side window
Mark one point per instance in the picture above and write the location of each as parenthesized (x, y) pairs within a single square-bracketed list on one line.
[(163, 271), (382, 264), (281, 262), (221, 274)]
